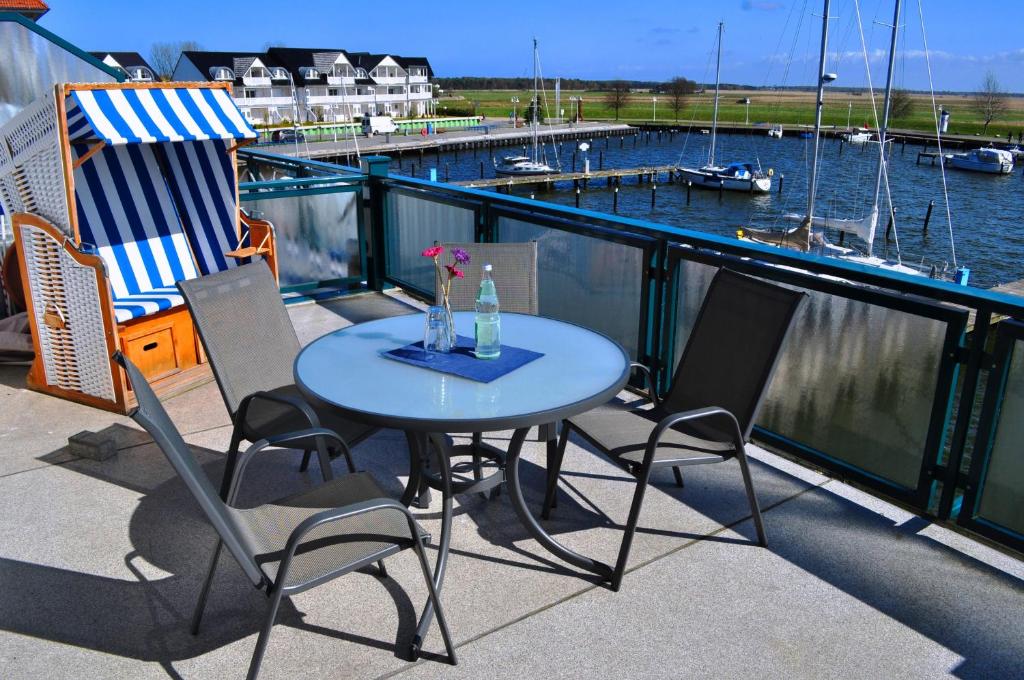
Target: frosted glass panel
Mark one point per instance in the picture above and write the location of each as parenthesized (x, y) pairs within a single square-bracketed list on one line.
[(1002, 489), (317, 235), (584, 280), (856, 381), (414, 224)]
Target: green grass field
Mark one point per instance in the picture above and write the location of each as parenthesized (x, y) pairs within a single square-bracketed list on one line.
[(765, 106)]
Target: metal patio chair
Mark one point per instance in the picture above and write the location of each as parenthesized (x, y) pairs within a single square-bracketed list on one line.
[(296, 543), (515, 274), (251, 344), (713, 401)]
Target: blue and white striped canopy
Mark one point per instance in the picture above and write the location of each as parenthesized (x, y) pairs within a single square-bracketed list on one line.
[(150, 115)]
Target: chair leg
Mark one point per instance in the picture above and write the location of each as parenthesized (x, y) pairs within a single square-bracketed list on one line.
[(229, 465), (261, 641), (478, 473), (306, 455), (679, 476), (755, 509), (197, 615), (554, 468), (436, 601), (348, 459), (634, 518), (383, 569), (325, 459)]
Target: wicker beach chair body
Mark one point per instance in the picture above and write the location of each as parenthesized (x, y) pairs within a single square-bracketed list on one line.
[(118, 192)]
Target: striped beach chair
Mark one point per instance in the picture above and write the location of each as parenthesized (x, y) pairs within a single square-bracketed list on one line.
[(117, 193)]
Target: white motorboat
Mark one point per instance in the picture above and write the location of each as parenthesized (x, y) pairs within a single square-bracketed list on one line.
[(992, 161), (858, 136), (732, 177), (775, 131)]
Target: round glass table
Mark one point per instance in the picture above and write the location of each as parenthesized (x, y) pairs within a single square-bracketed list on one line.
[(579, 369)]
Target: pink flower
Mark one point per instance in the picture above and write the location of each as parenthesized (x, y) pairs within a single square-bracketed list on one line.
[(454, 272), (433, 251)]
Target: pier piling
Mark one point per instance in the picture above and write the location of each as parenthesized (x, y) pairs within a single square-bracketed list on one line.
[(654, 193), (689, 186), (577, 197), (600, 160), (928, 216), (481, 169), (721, 190), (615, 200), (782, 178)]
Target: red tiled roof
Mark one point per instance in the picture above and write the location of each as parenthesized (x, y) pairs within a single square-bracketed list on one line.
[(23, 6)]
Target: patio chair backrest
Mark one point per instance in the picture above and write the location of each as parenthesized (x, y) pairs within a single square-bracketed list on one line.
[(514, 273), (125, 210), (151, 415), (245, 328), (734, 347), (203, 183)]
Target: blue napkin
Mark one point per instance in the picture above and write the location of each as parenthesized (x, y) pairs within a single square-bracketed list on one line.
[(462, 361)]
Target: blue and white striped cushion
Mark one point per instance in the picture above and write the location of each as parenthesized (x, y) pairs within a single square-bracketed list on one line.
[(130, 306), (125, 210), (203, 183)]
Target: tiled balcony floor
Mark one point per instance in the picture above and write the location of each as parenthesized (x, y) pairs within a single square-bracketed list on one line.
[(100, 564)]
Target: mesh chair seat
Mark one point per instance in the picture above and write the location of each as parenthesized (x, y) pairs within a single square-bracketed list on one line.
[(622, 431), (266, 419), (334, 547)]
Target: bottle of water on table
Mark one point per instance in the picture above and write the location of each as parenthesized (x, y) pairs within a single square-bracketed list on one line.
[(488, 322)]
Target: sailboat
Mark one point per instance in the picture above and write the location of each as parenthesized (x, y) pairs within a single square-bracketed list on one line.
[(735, 176), (804, 237), (519, 166)]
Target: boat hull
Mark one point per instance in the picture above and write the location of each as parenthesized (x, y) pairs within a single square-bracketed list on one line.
[(708, 180), (973, 165)]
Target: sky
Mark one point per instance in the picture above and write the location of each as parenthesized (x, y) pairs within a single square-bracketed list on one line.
[(767, 42)]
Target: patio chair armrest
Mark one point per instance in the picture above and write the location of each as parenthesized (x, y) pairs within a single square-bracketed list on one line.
[(246, 456), (650, 381), (338, 515), (297, 404), (694, 414)]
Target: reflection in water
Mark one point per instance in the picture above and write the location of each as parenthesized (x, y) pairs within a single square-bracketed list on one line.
[(1004, 477), (856, 381)]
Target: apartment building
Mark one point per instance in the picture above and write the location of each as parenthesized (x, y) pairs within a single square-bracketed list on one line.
[(316, 85), (131, 64)]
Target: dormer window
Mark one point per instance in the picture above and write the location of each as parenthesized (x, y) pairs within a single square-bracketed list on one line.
[(278, 73), (222, 73), (140, 73), (360, 73), (310, 73)]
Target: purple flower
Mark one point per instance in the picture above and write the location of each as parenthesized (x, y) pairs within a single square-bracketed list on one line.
[(461, 256)]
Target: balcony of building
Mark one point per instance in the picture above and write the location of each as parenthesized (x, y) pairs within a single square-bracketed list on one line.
[(889, 474)]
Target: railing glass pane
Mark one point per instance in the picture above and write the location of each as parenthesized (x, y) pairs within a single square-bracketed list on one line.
[(856, 381), (1002, 487), (584, 280), (414, 224), (317, 234)]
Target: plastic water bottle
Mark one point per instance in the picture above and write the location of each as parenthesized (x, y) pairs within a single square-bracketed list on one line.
[(488, 322)]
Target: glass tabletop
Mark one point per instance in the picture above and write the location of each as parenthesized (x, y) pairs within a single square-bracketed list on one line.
[(580, 369)]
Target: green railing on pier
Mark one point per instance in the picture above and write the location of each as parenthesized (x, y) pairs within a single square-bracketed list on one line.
[(889, 380)]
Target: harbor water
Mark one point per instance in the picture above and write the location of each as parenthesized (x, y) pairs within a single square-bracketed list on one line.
[(987, 213)]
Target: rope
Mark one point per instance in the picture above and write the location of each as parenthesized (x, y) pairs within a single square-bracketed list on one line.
[(938, 135)]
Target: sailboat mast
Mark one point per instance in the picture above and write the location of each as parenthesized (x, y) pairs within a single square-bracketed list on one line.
[(536, 103), (883, 127), (817, 116), (714, 117)]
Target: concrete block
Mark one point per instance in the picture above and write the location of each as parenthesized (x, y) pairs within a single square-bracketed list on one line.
[(92, 445)]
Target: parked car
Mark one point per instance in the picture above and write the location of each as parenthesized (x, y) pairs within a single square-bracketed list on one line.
[(288, 135)]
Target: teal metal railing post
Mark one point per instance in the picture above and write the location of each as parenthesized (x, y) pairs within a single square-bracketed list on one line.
[(376, 168)]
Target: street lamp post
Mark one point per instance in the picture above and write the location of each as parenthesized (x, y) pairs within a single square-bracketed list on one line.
[(654, 103), (746, 110), (515, 118)]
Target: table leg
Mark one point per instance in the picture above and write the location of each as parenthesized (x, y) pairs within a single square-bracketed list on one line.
[(444, 540), (531, 524), (415, 469)]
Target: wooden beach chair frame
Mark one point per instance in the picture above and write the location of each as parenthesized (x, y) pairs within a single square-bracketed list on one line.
[(76, 325)]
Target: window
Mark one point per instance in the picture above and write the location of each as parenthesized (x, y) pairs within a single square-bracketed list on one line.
[(278, 73), (360, 72), (333, 92), (248, 93), (141, 73), (222, 73), (311, 74)]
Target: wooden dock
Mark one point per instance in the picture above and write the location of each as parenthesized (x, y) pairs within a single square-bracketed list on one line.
[(933, 155), (644, 174)]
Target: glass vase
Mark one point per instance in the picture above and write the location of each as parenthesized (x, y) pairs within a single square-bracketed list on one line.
[(439, 329)]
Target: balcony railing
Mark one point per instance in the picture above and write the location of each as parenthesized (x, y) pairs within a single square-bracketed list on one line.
[(910, 387), (256, 81), (244, 102)]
